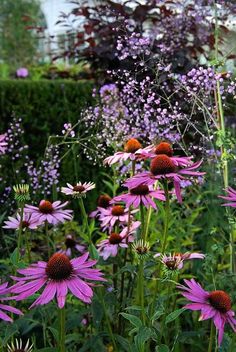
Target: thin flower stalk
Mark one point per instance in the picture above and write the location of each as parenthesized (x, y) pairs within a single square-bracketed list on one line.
[(62, 329), (222, 130)]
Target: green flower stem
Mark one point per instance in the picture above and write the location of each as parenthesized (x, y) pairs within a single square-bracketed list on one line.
[(47, 239), (148, 218), (112, 338), (140, 279), (62, 331), (27, 245), (142, 218), (164, 240), (20, 230), (167, 216), (141, 289), (210, 346), (221, 128), (85, 219)]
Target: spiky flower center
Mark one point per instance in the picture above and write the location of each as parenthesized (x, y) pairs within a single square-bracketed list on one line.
[(142, 250), (132, 145), (162, 165), (140, 190), (171, 264), (70, 242), (117, 210), (25, 224), (220, 300), (59, 267), (46, 207), (164, 148), (78, 188), (103, 201), (115, 238)]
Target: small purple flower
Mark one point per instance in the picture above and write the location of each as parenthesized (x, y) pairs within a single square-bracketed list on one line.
[(28, 222), (176, 260), (70, 245), (109, 247), (110, 216), (79, 190), (53, 213), (3, 143), (141, 194), (22, 72)]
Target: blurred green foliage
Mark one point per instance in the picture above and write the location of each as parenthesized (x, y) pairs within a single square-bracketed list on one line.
[(18, 45), (44, 106)]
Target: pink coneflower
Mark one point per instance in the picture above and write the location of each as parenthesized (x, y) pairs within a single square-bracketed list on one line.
[(5, 290), (29, 222), (231, 197), (103, 202), (214, 305), (116, 213), (72, 245), (79, 190), (3, 143), (58, 274), (176, 261), (166, 149), (129, 153), (53, 213), (141, 194), (109, 247), (162, 167)]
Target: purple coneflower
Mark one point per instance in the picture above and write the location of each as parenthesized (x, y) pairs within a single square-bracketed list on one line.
[(231, 197), (103, 202), (141, 194), (79, 190), (109, 247), (5, 290), (176, 261), (166, 149), (162, 167), (116, 213), (3, 143), (28, 222), (129, 153), (53, 213), (214, 305), (70, 245), (58, 274)]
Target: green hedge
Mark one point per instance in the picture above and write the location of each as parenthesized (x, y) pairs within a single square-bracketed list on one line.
[(43, 105)]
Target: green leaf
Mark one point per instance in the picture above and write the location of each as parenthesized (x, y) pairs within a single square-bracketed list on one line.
[(142, 337), (55, 333), (14, 257), (133, 308), (132, 319), (157, 315), (172, 316), (162, 348), (93, 252)]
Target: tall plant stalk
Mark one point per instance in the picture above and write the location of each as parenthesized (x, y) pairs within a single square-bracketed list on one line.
[(62, 329), (19, 240), (222, 131)]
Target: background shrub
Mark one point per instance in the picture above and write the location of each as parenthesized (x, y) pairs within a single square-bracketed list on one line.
[(44, 107)]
